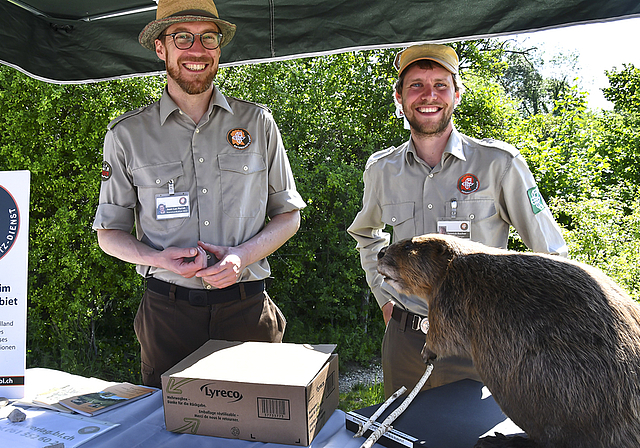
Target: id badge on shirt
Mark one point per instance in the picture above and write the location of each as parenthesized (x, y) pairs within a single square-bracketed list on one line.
[(169, 206), (459, 228), (454, 226)]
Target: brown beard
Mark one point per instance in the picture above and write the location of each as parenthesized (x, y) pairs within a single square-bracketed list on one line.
[(430, 129), (192, 87)]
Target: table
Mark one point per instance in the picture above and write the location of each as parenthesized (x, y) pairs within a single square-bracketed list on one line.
[(141, 423)]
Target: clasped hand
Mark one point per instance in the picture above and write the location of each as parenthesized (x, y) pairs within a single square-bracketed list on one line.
[(192, 262)]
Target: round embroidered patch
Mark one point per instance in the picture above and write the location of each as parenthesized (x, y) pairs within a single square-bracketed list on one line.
[(106, 171), (468, 183), (9, 221), (239, 138)]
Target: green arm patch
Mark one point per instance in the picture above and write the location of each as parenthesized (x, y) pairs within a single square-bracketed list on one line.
[(536, 200)]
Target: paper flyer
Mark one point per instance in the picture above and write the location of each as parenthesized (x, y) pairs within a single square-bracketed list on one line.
[(44, 428)]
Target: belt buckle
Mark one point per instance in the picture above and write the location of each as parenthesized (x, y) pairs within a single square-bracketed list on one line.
[(418, 323), (198, 298)]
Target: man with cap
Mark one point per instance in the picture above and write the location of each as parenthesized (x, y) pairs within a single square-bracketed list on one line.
[(196, 174), (440, 181)]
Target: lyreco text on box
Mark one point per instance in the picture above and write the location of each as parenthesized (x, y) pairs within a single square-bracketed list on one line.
[(256, 391)]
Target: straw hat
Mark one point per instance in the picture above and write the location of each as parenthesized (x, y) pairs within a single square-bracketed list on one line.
[(442, 54), (176, 11)]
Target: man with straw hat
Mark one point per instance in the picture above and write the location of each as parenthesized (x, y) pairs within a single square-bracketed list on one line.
[(440, 181), (196, 174)]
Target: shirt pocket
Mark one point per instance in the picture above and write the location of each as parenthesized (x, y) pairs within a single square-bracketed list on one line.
[(401, 218), (152, 180), (476, 210), (487, 226), (244, 186)]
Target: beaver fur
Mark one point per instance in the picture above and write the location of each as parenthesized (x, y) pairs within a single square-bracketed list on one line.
[(556, 342)]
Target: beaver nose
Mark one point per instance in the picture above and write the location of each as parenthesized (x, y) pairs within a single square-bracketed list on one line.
[(381, 253)]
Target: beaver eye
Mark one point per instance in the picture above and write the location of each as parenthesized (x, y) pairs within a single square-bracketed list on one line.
[(407, 246)]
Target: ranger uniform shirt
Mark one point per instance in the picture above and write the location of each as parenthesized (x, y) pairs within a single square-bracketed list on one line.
[(232, 164), (486, 183)]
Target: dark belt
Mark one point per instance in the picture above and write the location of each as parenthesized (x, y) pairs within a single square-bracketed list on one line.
[(205, 297), (414, 321)]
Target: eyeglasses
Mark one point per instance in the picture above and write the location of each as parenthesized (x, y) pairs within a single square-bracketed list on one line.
[(183, 40)]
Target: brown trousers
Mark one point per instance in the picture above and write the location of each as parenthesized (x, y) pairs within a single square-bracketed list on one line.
[(402, 363), (169, 330)]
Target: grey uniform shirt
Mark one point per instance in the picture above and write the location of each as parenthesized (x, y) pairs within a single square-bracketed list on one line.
[(489, 183), (232, 164)]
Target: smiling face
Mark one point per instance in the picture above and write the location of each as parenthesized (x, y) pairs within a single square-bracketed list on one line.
[(194, 69), (428, 98)]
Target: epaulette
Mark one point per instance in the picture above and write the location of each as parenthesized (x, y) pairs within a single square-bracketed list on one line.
[(499, 144), (262, 106), (124, 116), (379, 155)]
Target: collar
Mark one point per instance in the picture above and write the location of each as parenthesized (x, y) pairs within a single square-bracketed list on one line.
[(454, 147), (168, 106)]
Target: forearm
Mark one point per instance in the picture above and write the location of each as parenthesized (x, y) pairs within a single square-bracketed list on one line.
[(277, 232), (126, 247), (123, 245)]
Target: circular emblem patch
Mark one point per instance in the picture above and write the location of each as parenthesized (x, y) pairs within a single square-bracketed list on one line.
[(9, 221), (106, 171), (239, 138), (468, 183)]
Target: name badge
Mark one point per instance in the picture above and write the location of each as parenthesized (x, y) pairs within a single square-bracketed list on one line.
[(461, 229), (169, 206)]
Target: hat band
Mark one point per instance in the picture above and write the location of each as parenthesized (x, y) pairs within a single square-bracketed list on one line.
[(194, 12)]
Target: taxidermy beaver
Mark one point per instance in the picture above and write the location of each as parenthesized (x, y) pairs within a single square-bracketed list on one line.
[(556, 342)]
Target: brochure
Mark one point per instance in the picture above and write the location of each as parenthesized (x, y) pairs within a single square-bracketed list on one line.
[(111, 397)]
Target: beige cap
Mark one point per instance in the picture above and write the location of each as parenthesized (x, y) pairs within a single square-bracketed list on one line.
[(176, 11), (442, 54)]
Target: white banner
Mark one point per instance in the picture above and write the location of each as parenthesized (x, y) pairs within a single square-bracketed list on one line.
[(14, 244)]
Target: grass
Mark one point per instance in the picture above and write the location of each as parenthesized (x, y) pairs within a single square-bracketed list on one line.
[(361, 396)]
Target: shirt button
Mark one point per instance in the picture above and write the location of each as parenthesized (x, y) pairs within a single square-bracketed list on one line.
[(204, 191), (246, 168), (158, 181), (430, 206), (206, 223), (394, 219), (201, 160), (197, 131), (472, 216), (431, 175), (208, 286)]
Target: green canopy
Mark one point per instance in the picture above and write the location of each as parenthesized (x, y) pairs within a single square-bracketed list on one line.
[(88, 40)]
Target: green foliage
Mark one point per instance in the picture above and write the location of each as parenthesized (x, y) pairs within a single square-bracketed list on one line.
[(79, 298), (607, 236), (333, 112)]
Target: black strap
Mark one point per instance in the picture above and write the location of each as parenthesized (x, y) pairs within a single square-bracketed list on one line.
[(407, 319)]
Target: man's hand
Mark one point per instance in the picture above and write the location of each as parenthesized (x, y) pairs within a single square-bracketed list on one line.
[(387, 309), (123, 245), (186, 262), (225, 272)]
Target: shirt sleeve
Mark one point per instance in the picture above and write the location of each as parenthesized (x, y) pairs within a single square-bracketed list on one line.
[(525, 209), (367, 230), (283, 196), (117, 193)]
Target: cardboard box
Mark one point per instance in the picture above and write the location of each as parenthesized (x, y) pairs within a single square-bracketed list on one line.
[(256, 391)]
